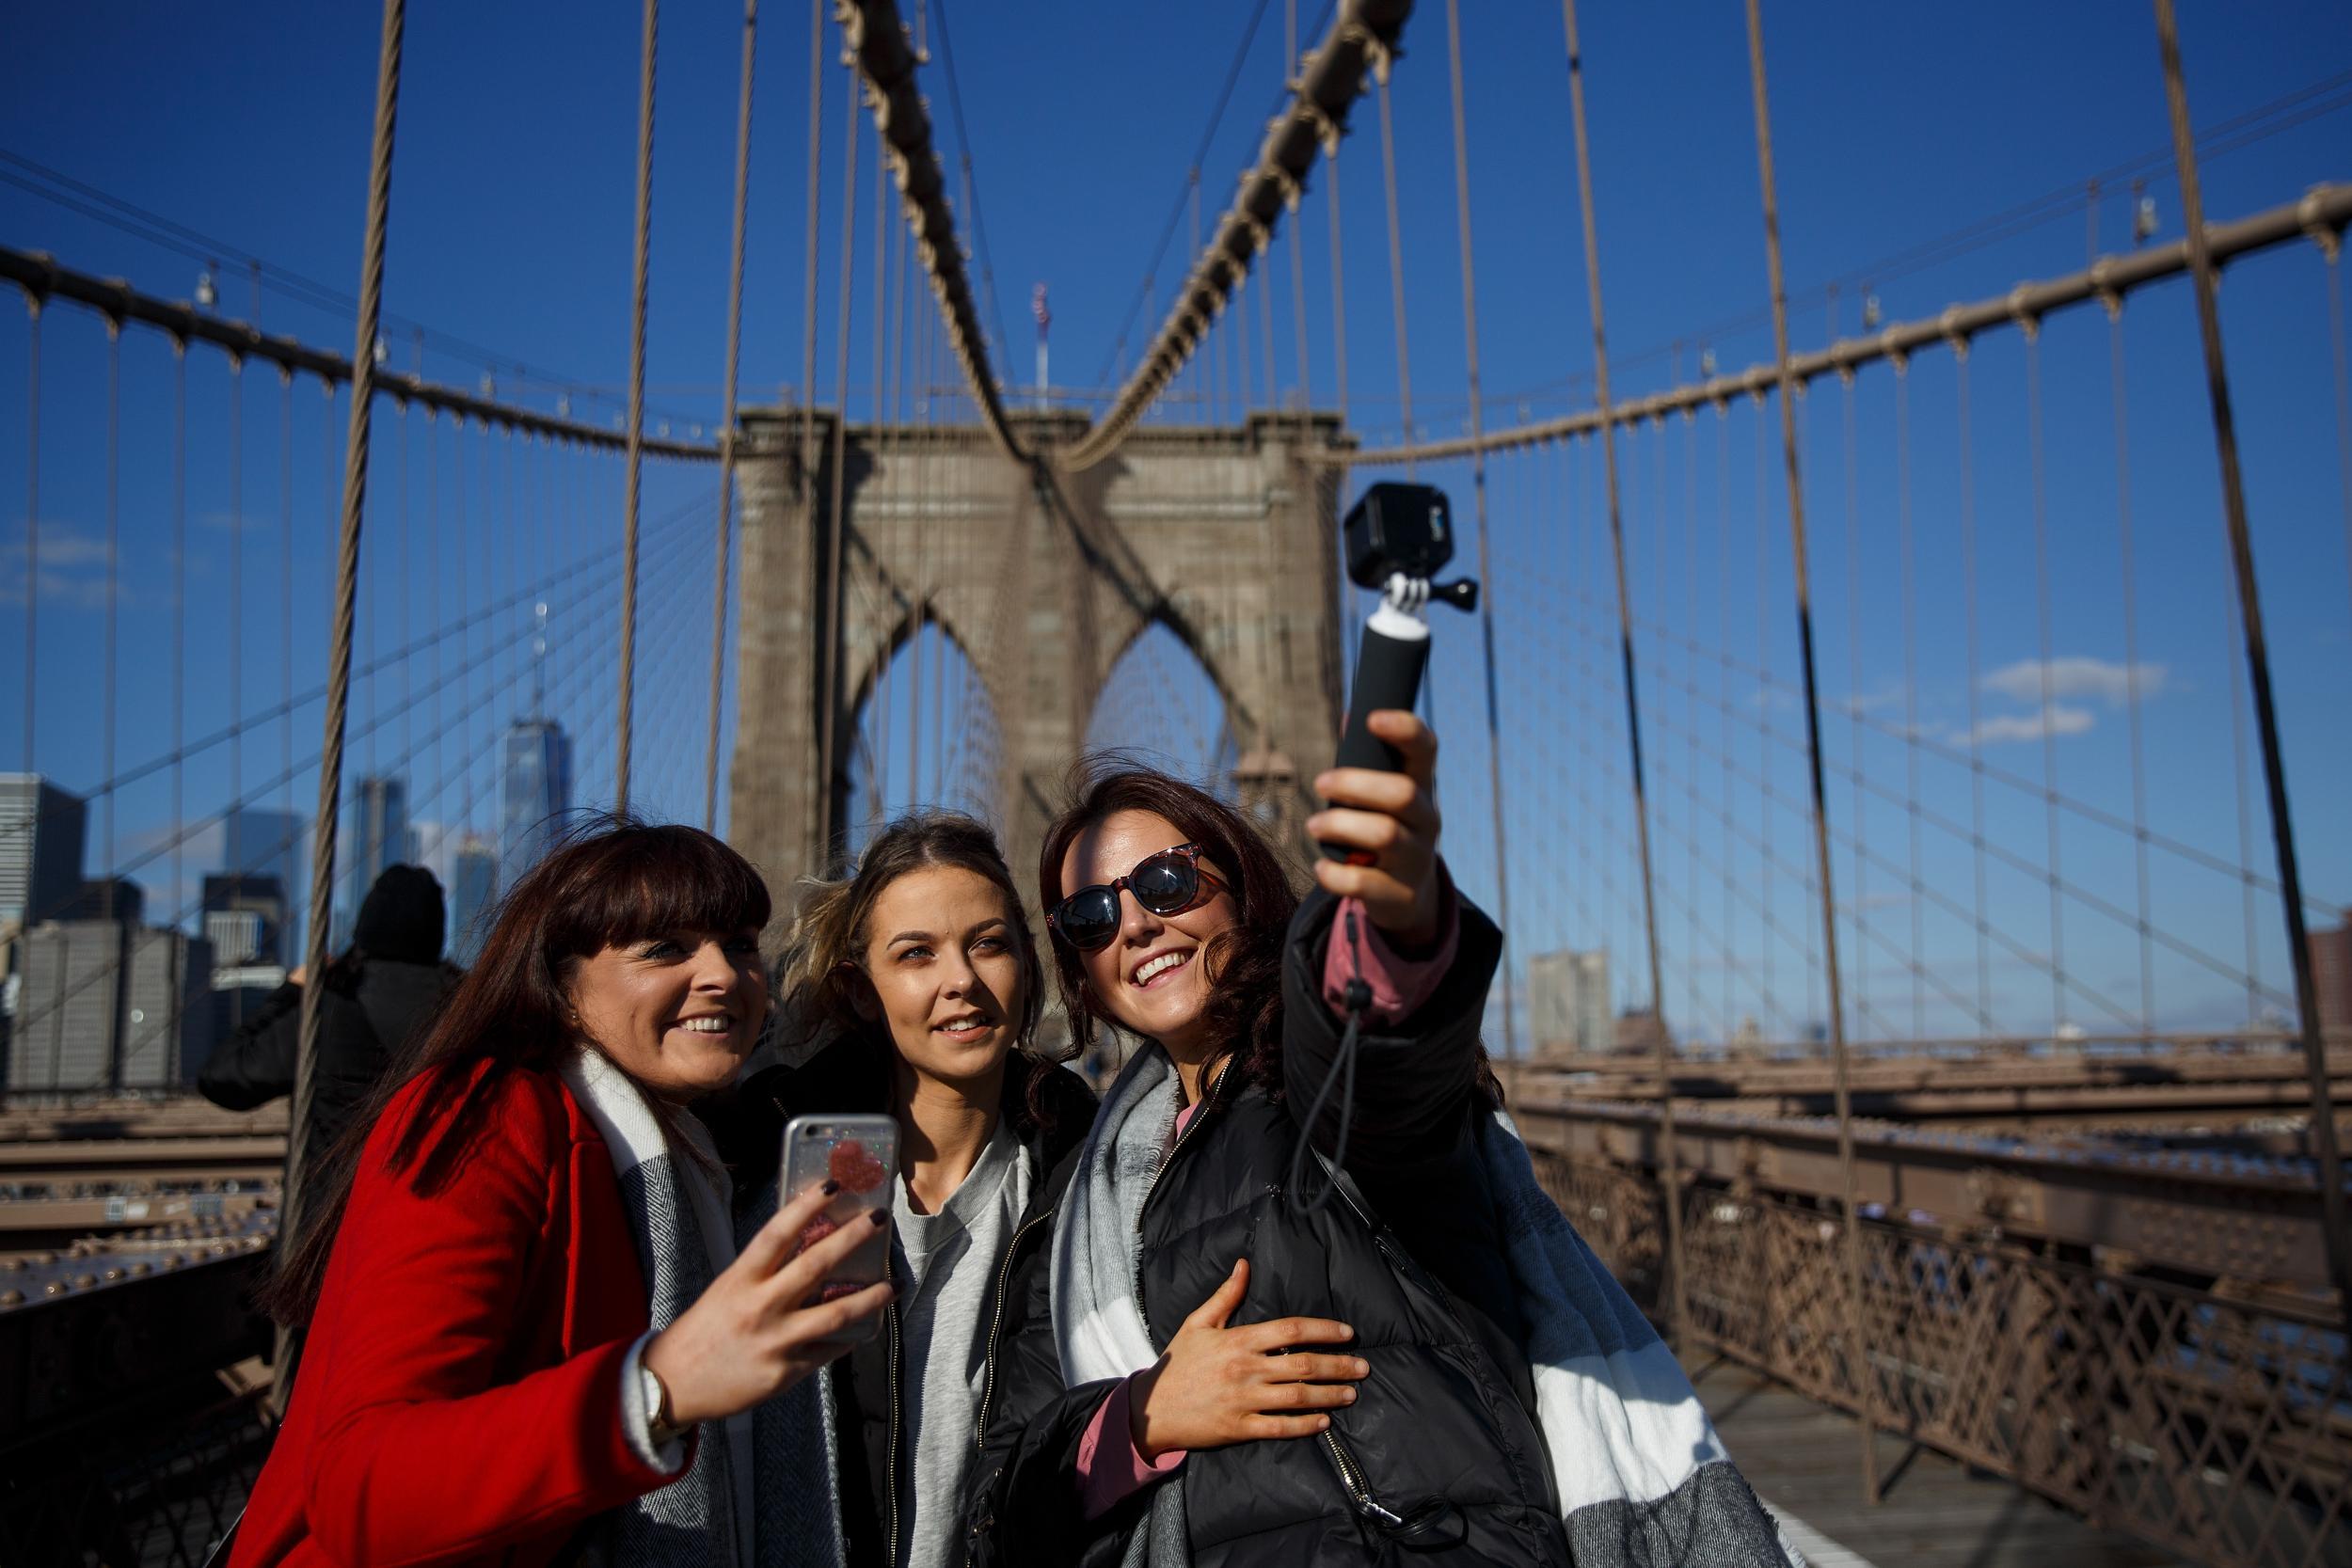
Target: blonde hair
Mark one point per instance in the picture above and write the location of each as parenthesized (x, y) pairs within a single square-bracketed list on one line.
[(816, 975)]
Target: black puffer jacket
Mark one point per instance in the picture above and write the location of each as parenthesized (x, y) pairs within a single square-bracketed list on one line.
[(369, 1012), (853, 1075), (1439, 1459)]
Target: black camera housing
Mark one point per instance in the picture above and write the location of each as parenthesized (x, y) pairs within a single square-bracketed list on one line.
[(1398, 527)]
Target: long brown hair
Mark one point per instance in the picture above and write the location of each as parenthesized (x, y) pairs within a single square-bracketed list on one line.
[(613, 881), (816, 976), (1243, 962)]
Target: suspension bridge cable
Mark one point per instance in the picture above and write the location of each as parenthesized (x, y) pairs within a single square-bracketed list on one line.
[(1184, 194), (1298, 266), (833, 643), (1678, 1317), (114, 570), (1866, 1372), (2324, 209), (2203, 273), (1478, 490), (2052, 872), (338, 654), (1397, 262), (636, 401), (1363, 33), (727, 416), (141, 223)]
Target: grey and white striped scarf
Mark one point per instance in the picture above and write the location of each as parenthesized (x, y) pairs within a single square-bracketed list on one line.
[(1644, 1481), (719, 1512)]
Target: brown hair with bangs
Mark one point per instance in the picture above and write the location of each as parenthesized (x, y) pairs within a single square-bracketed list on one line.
[(1243, 962), (612, 880)]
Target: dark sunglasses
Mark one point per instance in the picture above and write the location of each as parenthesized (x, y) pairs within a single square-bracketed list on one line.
[(1166, 883)]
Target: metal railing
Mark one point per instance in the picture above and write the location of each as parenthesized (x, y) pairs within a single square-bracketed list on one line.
[(2210, 1425)]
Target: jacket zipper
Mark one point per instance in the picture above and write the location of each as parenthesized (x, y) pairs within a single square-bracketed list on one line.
[(997, 1323), (890, 1326), (1352, 1478)]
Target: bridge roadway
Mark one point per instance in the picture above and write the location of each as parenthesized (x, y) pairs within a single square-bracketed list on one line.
[(126, 1336), (1935, 1512)]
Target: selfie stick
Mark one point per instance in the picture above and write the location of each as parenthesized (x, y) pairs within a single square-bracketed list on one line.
[(1388, 666)]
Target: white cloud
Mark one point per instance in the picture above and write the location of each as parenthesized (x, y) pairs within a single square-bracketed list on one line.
[(2058, 718), (72, 567), (2079, 677)]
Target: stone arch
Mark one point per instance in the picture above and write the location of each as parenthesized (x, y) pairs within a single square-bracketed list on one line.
[(1046, 579)]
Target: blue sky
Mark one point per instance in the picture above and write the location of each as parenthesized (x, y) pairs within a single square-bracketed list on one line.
[(1895, 126)]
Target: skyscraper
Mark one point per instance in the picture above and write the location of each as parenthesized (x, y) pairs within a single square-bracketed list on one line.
[(273, 843), (473, 888), (379, 830), (42, 833), (110, 1004), (244, 920), (538, 791), (1567, 1001)]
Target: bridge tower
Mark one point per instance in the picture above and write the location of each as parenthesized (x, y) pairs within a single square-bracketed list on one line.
[(1042, 577)]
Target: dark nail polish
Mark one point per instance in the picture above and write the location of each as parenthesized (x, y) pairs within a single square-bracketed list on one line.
[(830, 1187), (879, 1216)]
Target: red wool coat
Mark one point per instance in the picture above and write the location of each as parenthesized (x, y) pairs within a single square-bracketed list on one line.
[(458, 1400)]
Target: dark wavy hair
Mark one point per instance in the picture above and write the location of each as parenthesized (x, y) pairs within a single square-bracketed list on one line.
[(612, 880), (1243, 962), (815, 977)]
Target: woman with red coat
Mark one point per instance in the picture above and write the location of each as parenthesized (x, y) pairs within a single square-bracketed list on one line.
[(531, 1334)]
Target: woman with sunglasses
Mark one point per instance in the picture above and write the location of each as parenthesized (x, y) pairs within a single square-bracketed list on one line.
[(1267, 1313), (912, 988)]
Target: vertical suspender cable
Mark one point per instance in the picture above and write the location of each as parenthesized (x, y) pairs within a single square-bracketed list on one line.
[(114, 572), (1478, 490), (2257, 657), (1299, 276), (32, 541), (1858, 1346), (635, 460), (179, 671), (812, 825), (1669, 1177), (1397, 262), (339, 652), (726, 420), (1339, 288), (833, 643)]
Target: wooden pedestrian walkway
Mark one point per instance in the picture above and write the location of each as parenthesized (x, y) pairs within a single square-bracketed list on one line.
[(1803, 1457)]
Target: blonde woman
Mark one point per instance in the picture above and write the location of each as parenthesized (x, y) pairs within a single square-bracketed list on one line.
[(917, 981)]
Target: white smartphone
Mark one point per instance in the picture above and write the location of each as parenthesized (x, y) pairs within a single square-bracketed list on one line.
[(861, 1152)]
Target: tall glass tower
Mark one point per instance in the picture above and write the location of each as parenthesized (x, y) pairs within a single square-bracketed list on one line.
[(538, 775)]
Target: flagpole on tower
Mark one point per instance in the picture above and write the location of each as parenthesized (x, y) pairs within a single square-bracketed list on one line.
[(1044, 319)]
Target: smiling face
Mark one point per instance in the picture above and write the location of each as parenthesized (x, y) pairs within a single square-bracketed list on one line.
[(1148, 978), (941, 956), (677, 1013)]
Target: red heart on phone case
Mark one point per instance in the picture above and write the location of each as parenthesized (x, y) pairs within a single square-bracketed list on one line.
[(854, 1166), (816, 1231)]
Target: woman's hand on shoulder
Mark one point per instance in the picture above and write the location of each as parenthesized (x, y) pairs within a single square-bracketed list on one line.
[(1391, 821), (751, 1335), (1217, 1385)]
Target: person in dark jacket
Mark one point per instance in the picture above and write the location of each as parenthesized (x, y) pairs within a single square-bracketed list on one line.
[(375, 1001), (918, 984), (1331, 1382)]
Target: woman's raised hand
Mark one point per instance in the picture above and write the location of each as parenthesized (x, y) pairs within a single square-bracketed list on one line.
[(1217, 1386), (1391, 823), (749, 1337)]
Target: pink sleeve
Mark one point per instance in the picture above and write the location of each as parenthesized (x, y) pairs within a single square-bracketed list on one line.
[(1399, 984), (1109, 1468)]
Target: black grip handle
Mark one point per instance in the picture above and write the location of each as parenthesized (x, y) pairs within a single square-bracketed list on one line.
[(1387, 675)]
